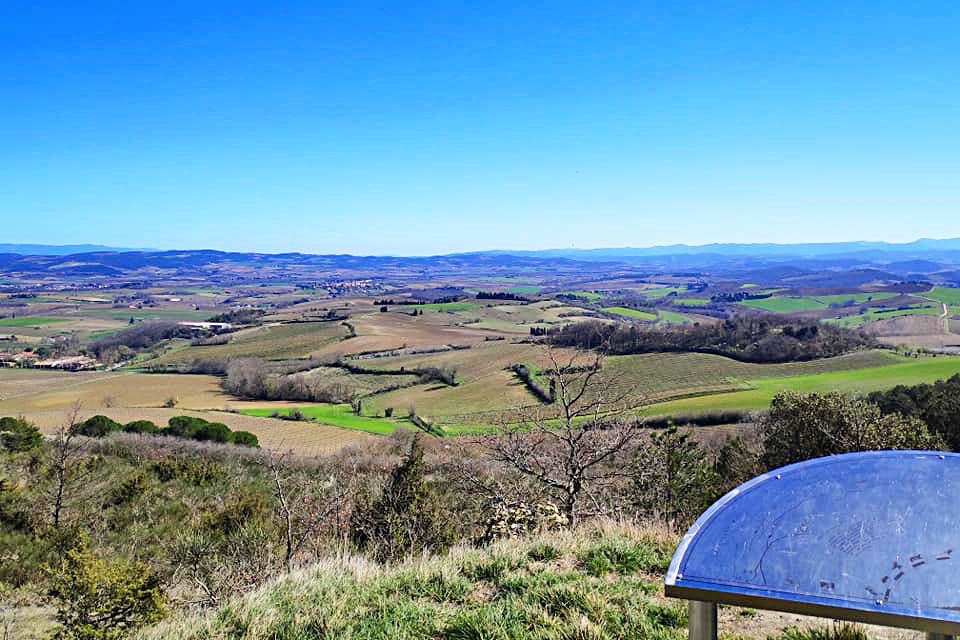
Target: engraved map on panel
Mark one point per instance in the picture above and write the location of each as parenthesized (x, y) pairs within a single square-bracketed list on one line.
[(878, 530)]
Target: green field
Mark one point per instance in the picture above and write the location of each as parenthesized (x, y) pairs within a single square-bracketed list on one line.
[(630, 313), (702, 382), (96, 335), (780, 304), (29, 321), (338, 415), (672, 317), (528, 290), (488, 388), (880, 313), (858, 298), (690, 302), (946, 295), (758, 397), (449, 306), (147, 314), (766, 292), (669, 382), (792, 304), (659, 293), (665, 375)]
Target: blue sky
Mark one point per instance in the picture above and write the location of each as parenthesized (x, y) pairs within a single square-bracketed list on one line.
[(433, 127)]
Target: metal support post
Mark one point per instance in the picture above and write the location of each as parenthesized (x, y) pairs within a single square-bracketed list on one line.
[(703, 620)]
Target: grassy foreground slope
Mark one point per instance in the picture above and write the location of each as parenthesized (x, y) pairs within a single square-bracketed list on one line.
[(598, 583), (605, 583)]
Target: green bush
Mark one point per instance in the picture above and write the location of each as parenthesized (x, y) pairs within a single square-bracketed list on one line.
[(245, 439), (128, 490), (16, 434), (14, 508), (937, 404), (103, 600), (803, 426), (237, 511), (196, 471), (213, 432), (673, 479), (98, 426), (141, 426), (199, 429), (183, 426), (406, 518)]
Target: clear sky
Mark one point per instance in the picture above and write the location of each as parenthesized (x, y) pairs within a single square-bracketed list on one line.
[(434, 127)]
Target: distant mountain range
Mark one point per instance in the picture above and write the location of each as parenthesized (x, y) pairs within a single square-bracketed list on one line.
[(813, 264), (59, 249), (922, 246), (864, 249)]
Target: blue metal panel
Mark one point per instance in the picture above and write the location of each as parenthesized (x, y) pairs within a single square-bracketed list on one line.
[(873, 537)]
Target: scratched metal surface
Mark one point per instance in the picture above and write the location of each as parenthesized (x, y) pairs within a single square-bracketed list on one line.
[(876, 532)]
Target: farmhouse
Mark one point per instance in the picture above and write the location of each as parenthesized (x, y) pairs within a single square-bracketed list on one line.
[(72, 363), (22, 359), (207, 326)]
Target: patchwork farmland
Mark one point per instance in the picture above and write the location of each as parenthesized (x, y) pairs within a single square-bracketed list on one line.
[(375, 348)]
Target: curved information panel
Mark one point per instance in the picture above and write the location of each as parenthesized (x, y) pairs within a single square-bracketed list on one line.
[(870, 537)]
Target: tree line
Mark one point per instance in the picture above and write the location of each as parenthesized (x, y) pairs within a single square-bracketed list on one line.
[(187, 427), (747, 337), (937, 405), (500, 295)]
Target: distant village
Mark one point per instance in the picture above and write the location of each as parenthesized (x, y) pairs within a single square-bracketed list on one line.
[(33, 360)]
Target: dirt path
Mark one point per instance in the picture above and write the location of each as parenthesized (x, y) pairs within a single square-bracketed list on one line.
[(944, 317)]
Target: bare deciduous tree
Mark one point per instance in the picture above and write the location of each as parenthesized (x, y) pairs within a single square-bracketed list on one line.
[(68, 470), (570, 447), (304, 502)]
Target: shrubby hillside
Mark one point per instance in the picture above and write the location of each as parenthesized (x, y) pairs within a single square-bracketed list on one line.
[(501, 536)]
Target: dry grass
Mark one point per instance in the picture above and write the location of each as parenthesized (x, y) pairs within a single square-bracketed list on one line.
[(397, 329), (17, 382), (28, 623), (118, 390), (907, 326), (939, 341), (485, 384)]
